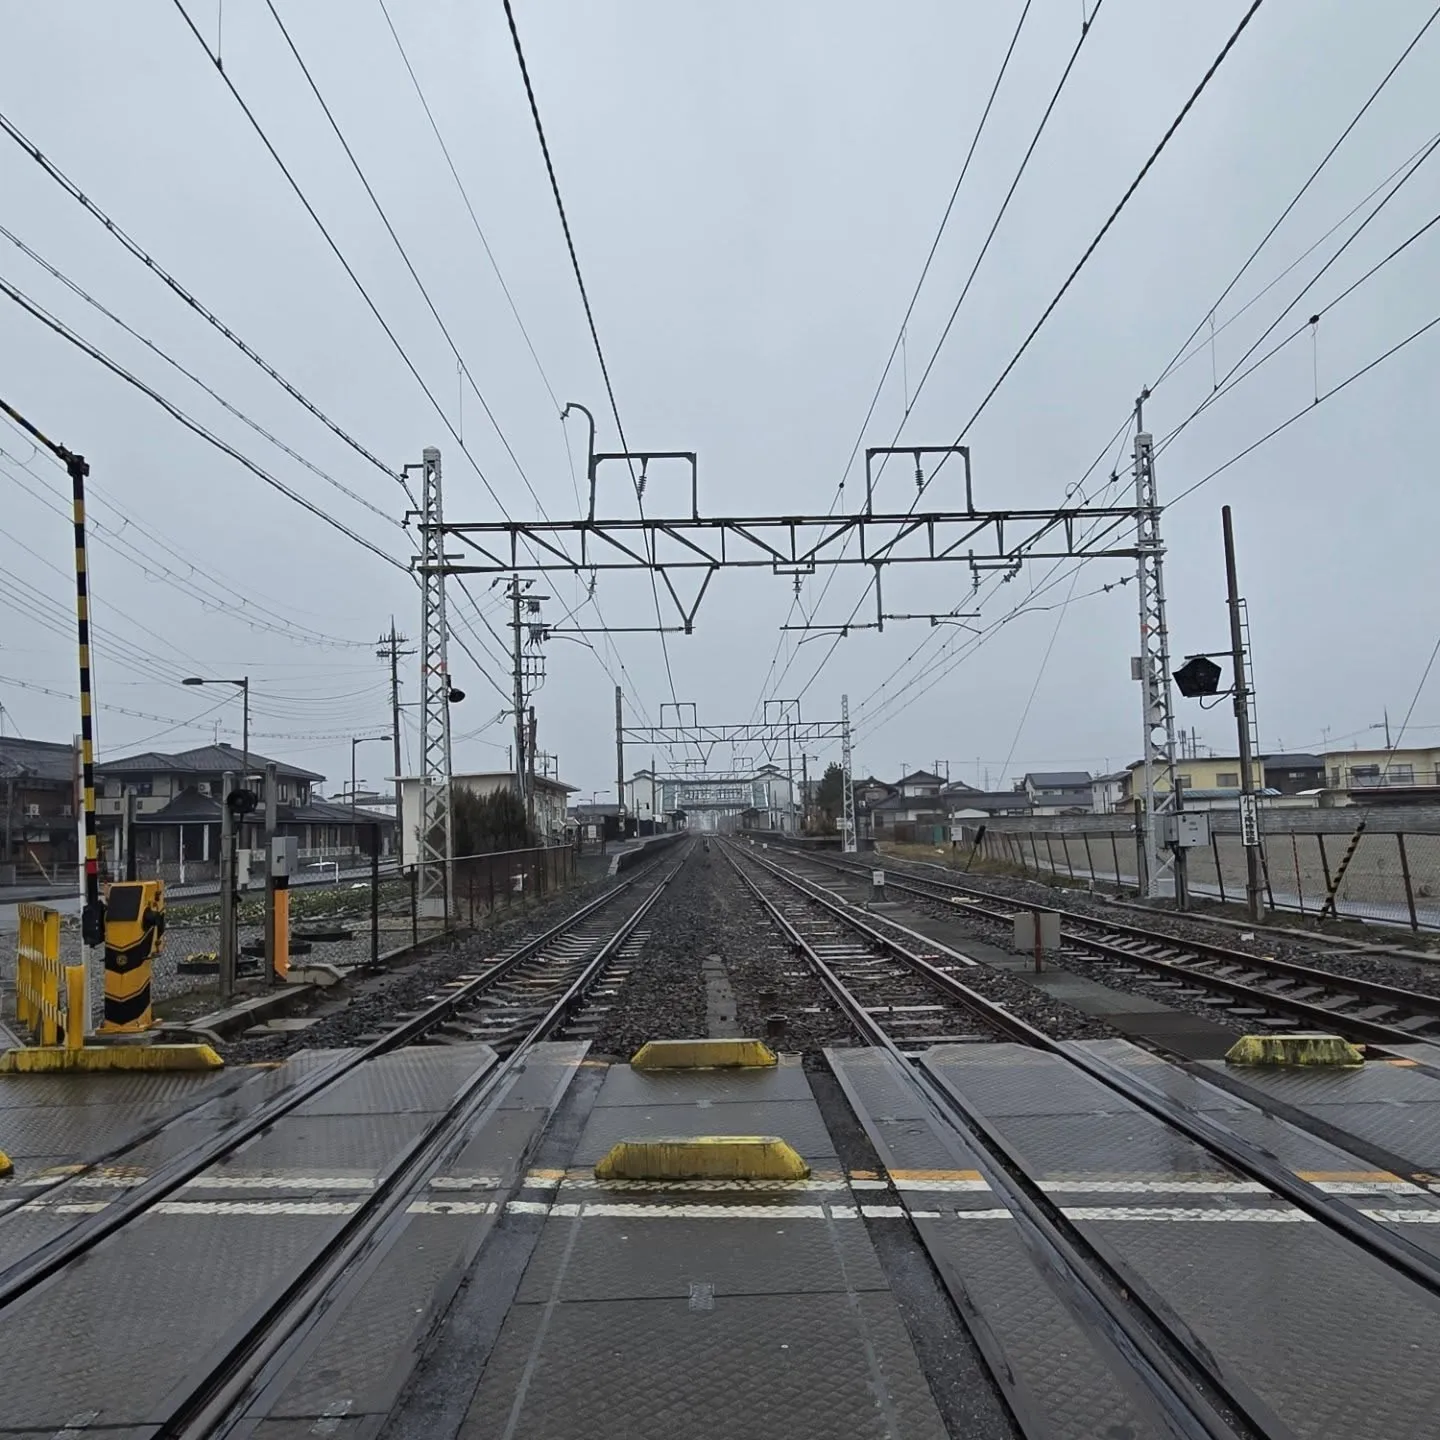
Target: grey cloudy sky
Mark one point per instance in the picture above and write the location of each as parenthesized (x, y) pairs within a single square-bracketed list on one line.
[(753, 190)]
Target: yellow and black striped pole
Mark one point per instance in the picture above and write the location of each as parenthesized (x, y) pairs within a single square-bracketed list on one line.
[(92, 917)]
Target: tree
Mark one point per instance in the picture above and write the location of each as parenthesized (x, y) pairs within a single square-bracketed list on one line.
[(484, 823), (830, 793)]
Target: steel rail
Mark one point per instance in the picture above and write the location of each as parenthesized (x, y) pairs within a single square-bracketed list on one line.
[(216, 1404), (1097, 1299), (1376, 1032), (1413, 1261), (38, 1265)]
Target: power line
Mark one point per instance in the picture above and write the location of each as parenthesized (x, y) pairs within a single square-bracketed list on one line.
[(399, 246), (151, 264), (474, 219), (590, 320), (1301, 192), (170, 360), (174, 411)]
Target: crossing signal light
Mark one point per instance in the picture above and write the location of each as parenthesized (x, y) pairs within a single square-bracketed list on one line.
[(1199, 675)]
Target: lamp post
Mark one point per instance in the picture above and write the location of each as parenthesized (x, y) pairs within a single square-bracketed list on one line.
[(244, 684), (355, 742)]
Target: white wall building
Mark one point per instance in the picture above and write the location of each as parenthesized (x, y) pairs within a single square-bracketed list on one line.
[(551, 802)]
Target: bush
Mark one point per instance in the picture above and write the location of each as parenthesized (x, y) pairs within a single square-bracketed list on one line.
[(484, 823)]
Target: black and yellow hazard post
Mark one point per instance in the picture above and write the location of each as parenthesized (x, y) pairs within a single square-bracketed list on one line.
[(134, 931), (92, 914)]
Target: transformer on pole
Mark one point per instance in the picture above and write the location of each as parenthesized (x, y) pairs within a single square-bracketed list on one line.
[(435, 889), (1158, 755)]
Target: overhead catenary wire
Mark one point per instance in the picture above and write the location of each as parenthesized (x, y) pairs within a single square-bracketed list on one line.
[(400, 247), (901, 331), (1200, 88), (1085, 32), (1304, 188)]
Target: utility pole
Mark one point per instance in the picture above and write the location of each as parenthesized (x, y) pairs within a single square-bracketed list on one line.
[(790, 776), (272, 790), (1249, 804), (227, 967), (620, 758), (804, 792), (518, 677), (390, 649)]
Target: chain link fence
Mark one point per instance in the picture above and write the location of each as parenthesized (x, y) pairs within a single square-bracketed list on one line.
[(1389, 876)]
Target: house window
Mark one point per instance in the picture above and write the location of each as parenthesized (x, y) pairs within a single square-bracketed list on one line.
[(284, 795), (1184, 781), (1335, 778), (1227, 779), (1364, 774), (1402, 774)]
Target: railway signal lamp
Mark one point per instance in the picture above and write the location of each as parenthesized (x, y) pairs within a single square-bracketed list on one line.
[(1199, 675)]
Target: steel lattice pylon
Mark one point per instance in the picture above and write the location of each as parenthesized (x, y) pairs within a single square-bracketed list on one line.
[(1159, 712), (436, 836), (851, 841)]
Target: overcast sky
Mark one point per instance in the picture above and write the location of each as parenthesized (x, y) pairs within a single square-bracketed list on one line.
[(753, 191)]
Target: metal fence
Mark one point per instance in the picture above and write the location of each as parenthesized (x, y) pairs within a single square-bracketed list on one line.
[(1387, 876), (364, 913)]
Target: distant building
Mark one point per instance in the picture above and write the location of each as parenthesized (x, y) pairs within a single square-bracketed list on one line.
[(1293, 774), (1385, 777), (551, 800), (1058, 792), (1107, 792), (177, 804), (39, 833)]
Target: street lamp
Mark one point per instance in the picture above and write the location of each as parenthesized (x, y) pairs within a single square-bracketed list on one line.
[(356, 741), (244, 684)]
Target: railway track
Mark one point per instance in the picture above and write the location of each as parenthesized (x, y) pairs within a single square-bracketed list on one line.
[(1264, 990), (858, 964), (550, 986)]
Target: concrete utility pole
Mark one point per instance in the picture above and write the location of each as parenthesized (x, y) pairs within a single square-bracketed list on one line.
[(1249, 803), (390, 649), (272, 795), (227, 955), (851, 841), (518, 678)]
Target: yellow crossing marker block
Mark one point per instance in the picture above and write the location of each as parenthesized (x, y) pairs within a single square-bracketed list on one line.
[(1310, 1049), (703, 1157), (7, 1166), (702, 1055), (47, 1059)]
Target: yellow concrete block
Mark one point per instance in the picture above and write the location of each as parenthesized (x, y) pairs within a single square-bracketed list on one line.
[(1294, 1050), (47, 1059), (703, 1157), (702, 1055), (7, 1166)]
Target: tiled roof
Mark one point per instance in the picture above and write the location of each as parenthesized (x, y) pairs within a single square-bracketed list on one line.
[(38, 759), (1059, 779)]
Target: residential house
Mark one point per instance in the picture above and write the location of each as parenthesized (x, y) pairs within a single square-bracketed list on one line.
[(1058, 792), (868, 793), (604, 818), (39, 834), (551, 802), (1106, 792), (980, 804), (1293, 774), (1390, 777), (176, 802), (915, 810), (1217, 772)]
